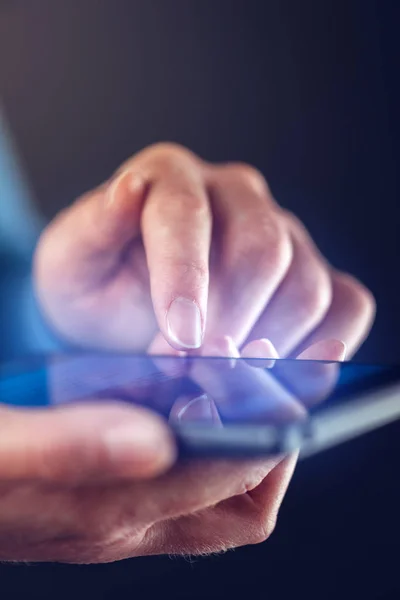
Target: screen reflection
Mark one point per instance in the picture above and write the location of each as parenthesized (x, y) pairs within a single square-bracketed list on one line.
[(202, 390)]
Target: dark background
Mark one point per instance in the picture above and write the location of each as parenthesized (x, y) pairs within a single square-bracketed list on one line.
[(307, 92)]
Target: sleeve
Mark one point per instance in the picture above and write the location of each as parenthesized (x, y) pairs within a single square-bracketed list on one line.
[(25, 331), (22, 328)]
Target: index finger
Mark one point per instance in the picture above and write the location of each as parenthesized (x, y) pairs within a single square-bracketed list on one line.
[(176, 227)]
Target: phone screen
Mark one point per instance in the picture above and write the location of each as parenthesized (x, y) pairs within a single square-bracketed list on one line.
[(209, 391)]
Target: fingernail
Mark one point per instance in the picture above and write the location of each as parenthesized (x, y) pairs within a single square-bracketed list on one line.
[(131, 446), (198, 409), (327, 350), (184, 323)]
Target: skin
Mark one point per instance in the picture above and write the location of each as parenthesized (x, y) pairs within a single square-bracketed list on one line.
[(101, 484)]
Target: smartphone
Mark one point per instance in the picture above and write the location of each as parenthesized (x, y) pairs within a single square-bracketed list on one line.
[(220, 407)]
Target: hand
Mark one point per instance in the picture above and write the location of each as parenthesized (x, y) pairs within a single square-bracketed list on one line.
[(58, 468), (90, 483), (169, 226), (197, 251)]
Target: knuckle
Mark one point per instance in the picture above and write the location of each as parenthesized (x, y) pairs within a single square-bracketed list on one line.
[(169, 155), (167, 148), (161, 157), (269, 250), (196, 271), (196, 268), (249, 177), (177, 202), (356, 298), (314, 297), (293, 220)]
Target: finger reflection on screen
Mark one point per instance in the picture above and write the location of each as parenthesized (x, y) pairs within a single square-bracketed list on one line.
[(310, 381), (214, 390), (196, 409), (243, 392)]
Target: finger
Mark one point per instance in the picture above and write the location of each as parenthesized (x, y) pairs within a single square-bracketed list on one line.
[(242, 392), (253, 253), (303, 298), (310, 378), (164, 356), (260, 353), (195, 486), (176, 227), (160, 347), (137, 512), (203, 408), (246, 518), (222, 347), (334, 350), (349, 318), (79, 444), (198, 409)]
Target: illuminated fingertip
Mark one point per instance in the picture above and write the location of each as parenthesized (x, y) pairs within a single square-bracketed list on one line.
[(328, 350)]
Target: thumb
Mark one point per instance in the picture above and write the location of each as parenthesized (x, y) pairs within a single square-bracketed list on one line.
[(78, 444)]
